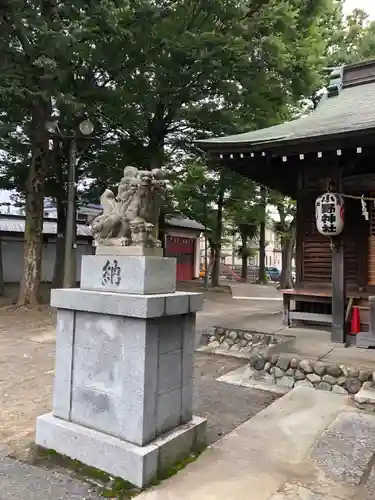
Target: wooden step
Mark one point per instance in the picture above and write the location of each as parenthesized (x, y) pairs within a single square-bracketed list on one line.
[(324, 319)]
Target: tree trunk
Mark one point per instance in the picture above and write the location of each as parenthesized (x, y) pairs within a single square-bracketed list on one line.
[(211, 259), (41, 110), (287, 248), (262, 239), (244, 270), (215, 277), (156, 138), (161, 229), (32, 261), (155, 155), (58, 273), (215, 274)]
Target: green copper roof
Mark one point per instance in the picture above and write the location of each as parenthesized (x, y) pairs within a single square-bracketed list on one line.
[(351, 109)]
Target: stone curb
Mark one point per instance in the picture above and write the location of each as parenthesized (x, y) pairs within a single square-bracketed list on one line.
[(235, 340), (242, 377), (223, 352), (287, 371)]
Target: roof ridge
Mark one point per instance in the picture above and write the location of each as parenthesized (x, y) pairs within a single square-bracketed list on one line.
[(359, 73), (360, 64)]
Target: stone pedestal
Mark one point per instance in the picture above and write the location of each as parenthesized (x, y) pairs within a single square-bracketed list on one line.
[(123, 388)]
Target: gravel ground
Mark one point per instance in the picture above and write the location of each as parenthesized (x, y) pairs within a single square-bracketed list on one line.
[(24, 482), (225, 406)]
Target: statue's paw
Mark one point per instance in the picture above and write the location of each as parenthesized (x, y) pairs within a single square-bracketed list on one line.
[(124, 242), (154, 243)]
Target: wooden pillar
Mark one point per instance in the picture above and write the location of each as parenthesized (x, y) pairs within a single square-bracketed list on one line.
[(286, 309), (338, 333), (299, 233)]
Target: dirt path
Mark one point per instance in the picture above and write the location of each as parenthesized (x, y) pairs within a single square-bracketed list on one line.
[(26, 373)]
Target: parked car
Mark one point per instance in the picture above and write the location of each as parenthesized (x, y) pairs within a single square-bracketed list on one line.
[(273, 274)]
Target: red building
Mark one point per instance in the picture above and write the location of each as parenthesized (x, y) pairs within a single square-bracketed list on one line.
[(182, 241)]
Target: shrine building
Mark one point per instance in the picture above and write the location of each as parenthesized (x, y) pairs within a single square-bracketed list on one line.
[(326, 162)]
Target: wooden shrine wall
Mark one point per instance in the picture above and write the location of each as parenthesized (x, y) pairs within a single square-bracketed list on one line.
[(315, 255), (371, 243), (315, 252)]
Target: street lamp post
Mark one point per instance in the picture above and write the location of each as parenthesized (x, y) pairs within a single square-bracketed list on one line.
[(71, 226), (86, 128)]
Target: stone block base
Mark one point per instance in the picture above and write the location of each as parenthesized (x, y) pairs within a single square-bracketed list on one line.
[(132, 250), (139, 465), (128, 274)]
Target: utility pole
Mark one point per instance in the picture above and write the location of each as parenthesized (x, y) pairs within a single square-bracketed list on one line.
[(70, 238)]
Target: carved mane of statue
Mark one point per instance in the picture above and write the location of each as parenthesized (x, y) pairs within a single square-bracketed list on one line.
[(129, 218)]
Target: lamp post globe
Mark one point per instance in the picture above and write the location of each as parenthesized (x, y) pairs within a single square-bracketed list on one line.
[(86, 127)]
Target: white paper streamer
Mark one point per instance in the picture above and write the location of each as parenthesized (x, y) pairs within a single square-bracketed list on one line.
[(364, 208)]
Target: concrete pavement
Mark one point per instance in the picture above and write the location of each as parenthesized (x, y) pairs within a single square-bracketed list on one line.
[(308, 445), (316, 345), (259, 292), (245, 311)]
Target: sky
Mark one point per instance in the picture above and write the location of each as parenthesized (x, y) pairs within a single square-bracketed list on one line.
[(367, 5)]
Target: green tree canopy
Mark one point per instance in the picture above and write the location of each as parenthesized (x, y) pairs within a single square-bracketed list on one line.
[(152, 76)]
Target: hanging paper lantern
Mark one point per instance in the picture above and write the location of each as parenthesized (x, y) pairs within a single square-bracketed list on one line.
[(329, 214)]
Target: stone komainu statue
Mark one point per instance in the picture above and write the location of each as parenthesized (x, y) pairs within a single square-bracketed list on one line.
[(129, 218)]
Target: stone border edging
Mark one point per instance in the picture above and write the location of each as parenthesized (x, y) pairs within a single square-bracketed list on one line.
[(271, 369), (287, 371), (238, 343)]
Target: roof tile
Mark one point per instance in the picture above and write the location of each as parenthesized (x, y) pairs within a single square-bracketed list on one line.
[(352, 110)]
